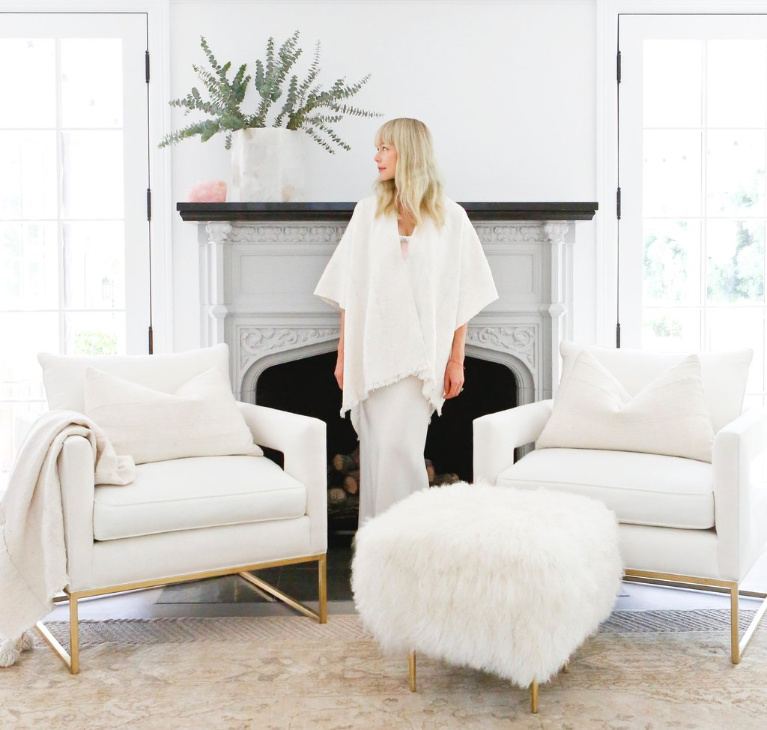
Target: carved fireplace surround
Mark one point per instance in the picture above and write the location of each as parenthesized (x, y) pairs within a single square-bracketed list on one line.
[(260, 262)]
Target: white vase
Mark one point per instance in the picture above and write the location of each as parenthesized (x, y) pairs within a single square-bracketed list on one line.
[(267, 165)]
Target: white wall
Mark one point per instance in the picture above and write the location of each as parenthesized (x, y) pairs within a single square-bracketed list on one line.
[(507, 88)]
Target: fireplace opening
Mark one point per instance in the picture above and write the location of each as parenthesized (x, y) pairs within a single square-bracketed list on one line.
[(308, 387)]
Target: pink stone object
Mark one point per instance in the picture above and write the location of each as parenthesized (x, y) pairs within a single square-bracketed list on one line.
[(208, 191)]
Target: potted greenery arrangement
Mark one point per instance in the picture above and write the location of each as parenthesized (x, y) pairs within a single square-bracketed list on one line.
[(267, 164)]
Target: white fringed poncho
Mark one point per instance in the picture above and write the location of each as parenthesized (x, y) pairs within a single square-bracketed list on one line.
[(401, 314)]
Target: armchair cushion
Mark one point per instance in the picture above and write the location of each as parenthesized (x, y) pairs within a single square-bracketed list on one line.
[(592, 410), (200, 419), (201, 492), (642, 489)]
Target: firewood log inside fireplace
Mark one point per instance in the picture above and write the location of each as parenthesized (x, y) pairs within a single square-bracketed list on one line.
[(441, 479), (336, 495), (352, 481), (346, 463)]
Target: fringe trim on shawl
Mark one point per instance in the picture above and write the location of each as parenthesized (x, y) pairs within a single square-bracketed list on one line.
[(422, 373)]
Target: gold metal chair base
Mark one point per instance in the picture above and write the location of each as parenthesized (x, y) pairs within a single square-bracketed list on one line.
[(72, 658), (737, 645)]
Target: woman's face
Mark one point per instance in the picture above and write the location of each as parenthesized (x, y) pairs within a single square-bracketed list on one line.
[(386, 160)]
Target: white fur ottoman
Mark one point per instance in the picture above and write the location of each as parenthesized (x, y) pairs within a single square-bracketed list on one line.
[(498, 579)]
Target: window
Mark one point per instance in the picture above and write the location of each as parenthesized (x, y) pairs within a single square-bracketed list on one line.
[(693, 154), (74, 253)]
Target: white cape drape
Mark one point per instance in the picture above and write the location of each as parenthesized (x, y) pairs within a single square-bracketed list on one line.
[(401, 322)]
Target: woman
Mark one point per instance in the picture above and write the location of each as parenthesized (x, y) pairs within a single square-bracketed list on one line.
[(408, 275)]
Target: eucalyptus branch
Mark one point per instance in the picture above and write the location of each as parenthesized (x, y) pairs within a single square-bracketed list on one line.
[(307, 105)]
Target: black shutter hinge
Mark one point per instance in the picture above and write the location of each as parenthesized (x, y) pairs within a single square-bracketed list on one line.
[(146, 65), (149, 204), (617, 70), (618, 203)]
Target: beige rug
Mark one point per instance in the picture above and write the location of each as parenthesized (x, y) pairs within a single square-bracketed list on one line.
[(278, 672)]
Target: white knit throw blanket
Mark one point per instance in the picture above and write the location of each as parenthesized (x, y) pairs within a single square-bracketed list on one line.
[(33, 560)]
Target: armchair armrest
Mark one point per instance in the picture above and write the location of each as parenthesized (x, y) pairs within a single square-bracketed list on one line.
[(303, 441), (740, 501), (498, 434), (76, 476)]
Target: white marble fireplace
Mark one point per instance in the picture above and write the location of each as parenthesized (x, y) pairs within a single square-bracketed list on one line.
[(257, 278)]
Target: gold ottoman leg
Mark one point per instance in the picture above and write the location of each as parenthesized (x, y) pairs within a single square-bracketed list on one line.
[(534, 697), (566, 667), (412, 671)]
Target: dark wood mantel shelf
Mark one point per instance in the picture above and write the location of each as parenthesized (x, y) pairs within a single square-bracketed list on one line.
[(204, 212)]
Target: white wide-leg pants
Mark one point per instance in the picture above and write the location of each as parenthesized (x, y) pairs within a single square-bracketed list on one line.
[(391, 424)]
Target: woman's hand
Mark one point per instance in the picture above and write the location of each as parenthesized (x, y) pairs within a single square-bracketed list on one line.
[(339, 371), (454, 369), (454, 379)]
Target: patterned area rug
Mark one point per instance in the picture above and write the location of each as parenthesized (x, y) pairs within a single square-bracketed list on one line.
[(662, 622), (181, 630), (653, 669)]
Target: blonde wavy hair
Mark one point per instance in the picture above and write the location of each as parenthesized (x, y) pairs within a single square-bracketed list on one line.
[(416, 186)]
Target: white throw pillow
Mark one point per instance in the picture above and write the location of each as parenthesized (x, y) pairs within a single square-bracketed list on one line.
[(64, 375), (592, 410), (724, 374), (200, 419)]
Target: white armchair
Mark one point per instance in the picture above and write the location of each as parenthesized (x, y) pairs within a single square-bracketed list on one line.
[(682, 522), (191, 518)]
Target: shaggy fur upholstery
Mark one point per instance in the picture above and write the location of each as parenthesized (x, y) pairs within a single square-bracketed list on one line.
[(506, 581)]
